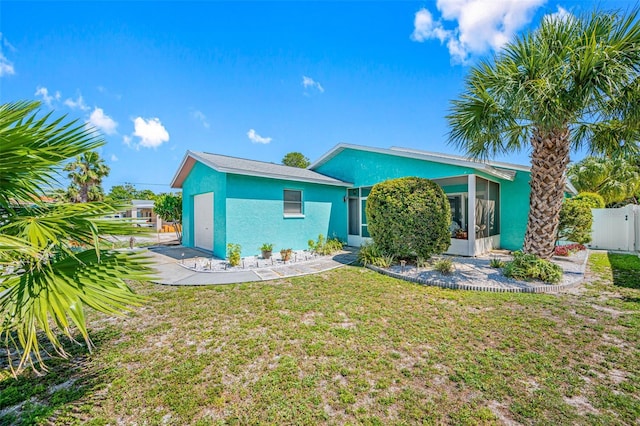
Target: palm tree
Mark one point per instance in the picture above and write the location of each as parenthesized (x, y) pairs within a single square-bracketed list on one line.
[(615, 179), (86, 172), (52, 265), (572, 83)]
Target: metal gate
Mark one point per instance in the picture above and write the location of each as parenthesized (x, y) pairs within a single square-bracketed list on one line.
[(616, 229)]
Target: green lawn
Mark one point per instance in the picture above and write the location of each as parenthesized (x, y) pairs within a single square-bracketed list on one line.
[(353, 346)]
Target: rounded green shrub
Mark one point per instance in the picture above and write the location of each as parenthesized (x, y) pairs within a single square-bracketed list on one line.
[(409, 217), (592, 199), (575, 221)]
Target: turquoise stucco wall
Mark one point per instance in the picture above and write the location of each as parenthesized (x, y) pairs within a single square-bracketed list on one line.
[(514, 210), (364, 168), (255, 213), (203, 179), (249, 210)]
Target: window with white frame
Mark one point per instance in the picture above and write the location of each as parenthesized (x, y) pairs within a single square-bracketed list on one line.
[(292, 202)]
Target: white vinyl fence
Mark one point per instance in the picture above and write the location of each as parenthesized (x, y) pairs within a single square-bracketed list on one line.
[(616, 229)]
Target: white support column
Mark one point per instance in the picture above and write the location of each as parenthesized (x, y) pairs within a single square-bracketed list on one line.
[(471, 214)]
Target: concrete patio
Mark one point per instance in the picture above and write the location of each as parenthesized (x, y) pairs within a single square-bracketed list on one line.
[(169, 262)]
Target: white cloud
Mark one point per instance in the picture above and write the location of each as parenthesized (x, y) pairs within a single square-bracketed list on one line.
[(126, 139), (308, 82), (151, 132), (46, 97), (114, 158), (256, 138), (562, 14), (6, 66), (480, 25), (78, 103), (425, 28), (108, 93), (102, 121), (199, 115)]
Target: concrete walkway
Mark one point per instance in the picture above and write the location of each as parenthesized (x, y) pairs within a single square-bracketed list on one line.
[(170, 272)]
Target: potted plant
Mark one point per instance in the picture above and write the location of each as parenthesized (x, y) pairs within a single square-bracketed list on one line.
[(233, 253), (267, 250), (285, 254), (461, 234)]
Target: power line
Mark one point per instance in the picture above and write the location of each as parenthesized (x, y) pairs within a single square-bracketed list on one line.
[(150, 184)]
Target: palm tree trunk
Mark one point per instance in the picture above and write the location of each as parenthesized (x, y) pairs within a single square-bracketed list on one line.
[(548, 166), (84, 193)]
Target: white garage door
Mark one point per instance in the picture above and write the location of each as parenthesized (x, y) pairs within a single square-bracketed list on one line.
[(203, 221)]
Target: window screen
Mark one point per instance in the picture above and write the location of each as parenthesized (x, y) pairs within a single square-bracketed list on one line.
[(292, 201)]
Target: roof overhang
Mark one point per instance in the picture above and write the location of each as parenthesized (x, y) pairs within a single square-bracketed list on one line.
[(420, 155), (570, 188), (191, 157), (183, 171)]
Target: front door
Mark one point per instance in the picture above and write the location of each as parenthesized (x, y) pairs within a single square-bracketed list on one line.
[(354, 239), (203, 221)]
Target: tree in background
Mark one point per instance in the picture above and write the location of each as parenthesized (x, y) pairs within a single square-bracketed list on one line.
[(572, 83), (169, 208), (145, 194), (591, 199), (296, 159), (615, 179), (86, 172), (575, 221), (51, 261), (127, 192)]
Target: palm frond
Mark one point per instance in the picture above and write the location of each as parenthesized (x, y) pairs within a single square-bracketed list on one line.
[(35, 148), (62, 224), (50, 296), (579, 73), (45, 281)]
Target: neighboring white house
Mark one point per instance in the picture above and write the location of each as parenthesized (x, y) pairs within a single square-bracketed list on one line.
[(142, 210)]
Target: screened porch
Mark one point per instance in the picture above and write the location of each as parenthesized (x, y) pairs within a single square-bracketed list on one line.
[(475, 214)]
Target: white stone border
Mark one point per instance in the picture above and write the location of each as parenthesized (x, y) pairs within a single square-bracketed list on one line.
[(543, 288)]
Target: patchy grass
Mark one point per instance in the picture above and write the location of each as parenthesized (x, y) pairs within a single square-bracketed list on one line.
[(352, 346)]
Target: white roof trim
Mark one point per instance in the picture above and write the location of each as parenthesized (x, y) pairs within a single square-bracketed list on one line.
[(175, 176), (570, 188), (466, 159), (415, 154)]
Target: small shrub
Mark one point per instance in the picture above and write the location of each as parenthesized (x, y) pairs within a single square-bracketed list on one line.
[(592, 199), (421, 262), (233, 254), (325, 247), (385, 261), (496, 263), (333, 245), (369, 254), (285, 254), (531, 267), (568, 249), (444, 266)]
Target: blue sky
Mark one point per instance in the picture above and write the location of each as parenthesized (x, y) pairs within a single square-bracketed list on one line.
[(254, 79)]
